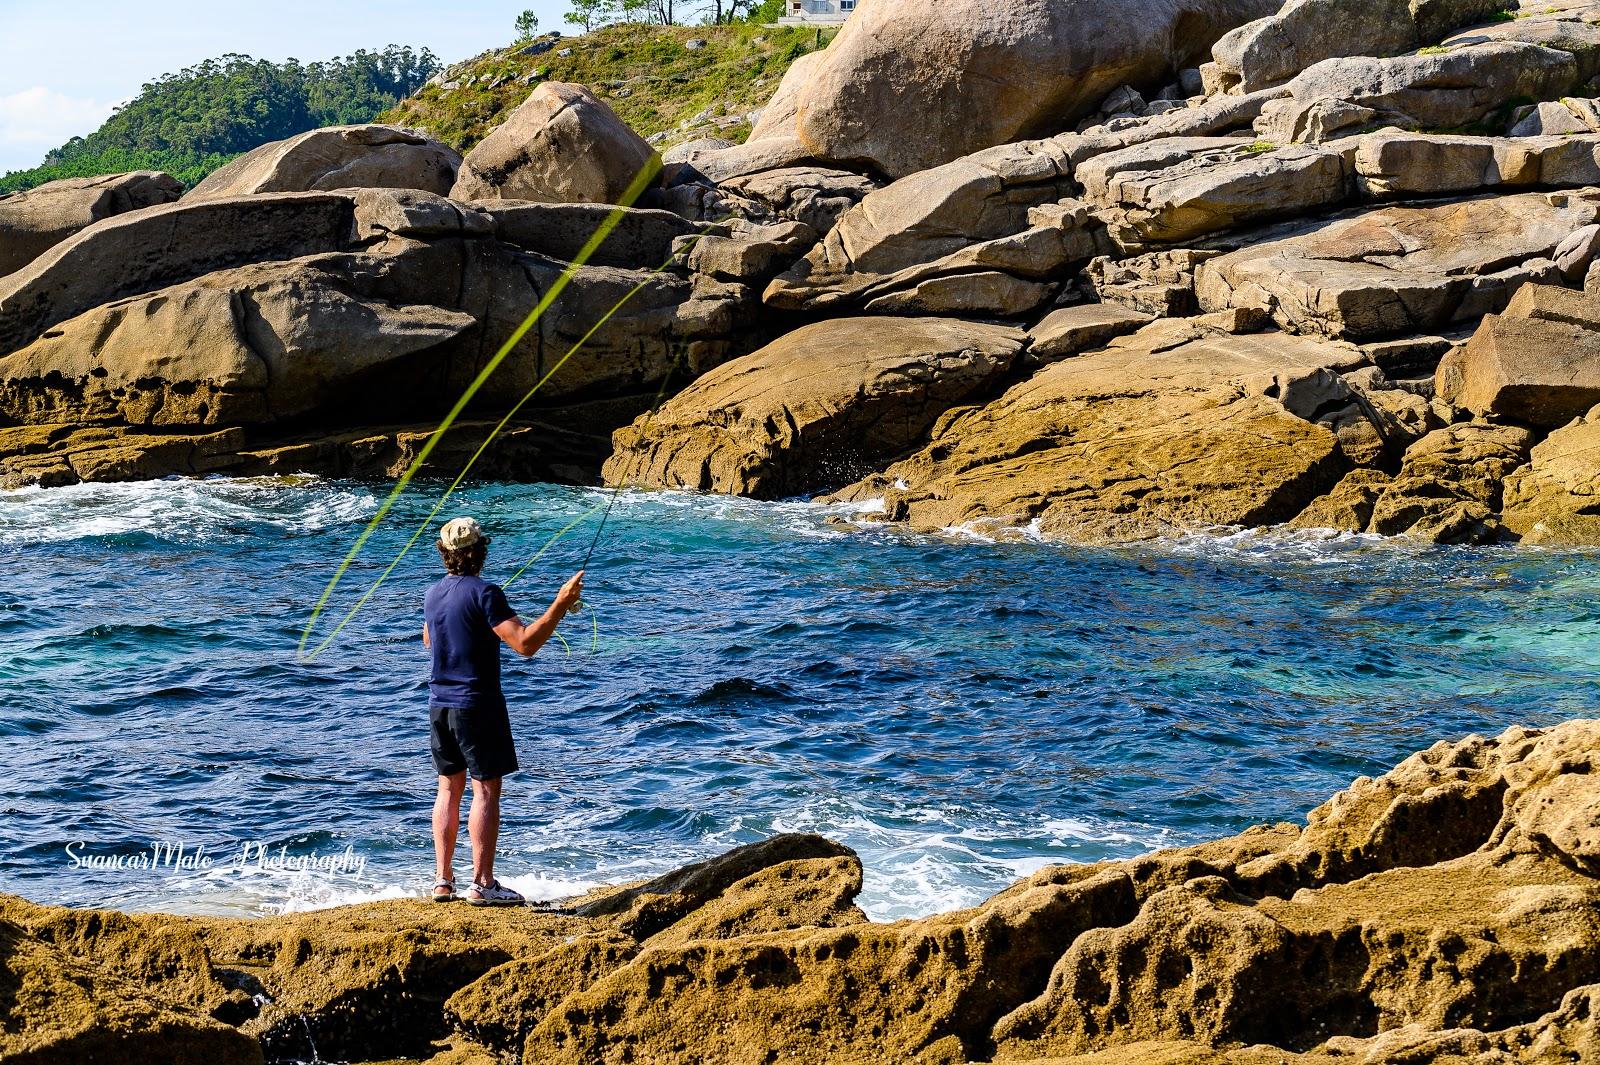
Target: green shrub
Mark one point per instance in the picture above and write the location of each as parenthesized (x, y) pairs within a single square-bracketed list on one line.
[(665, 83)]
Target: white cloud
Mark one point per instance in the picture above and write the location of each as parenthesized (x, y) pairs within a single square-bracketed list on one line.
[(37, 119)]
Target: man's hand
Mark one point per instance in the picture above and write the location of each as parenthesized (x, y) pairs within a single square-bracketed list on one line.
[(571, 594), (527, 639)]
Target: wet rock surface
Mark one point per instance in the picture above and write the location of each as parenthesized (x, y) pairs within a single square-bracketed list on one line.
[(1447, 911)]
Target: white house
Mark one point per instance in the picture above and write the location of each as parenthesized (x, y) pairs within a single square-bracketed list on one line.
[(816, 12)]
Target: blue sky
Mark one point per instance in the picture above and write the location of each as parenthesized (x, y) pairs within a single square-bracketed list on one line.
[(65, 63)]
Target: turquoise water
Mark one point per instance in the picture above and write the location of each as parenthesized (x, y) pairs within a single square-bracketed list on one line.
[(959, 711)]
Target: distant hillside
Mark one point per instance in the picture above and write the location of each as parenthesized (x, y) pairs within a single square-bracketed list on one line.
[(648, 74), (192, 122)]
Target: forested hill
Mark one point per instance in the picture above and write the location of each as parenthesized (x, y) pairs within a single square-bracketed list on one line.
[(192, 122)]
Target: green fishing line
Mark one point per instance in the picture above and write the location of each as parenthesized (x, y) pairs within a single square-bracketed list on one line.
[(548, 544), (641, 182), (427, 522)]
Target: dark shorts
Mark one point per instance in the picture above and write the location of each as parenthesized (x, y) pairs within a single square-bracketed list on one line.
[(475, 740)]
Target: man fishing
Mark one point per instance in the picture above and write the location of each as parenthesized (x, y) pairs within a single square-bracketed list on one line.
[(465, 620)]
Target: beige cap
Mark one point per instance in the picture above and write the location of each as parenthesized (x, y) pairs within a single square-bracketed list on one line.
[(460, 532)]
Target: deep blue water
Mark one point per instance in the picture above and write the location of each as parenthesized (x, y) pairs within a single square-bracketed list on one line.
[(961, 712)]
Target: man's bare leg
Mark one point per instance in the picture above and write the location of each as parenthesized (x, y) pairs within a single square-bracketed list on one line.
[(447, 824), (483, 825)]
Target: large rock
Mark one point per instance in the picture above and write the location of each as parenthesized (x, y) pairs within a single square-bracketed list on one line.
[(1555, 498), (1158, 283), (1440, 89), (1174, 190), (62, 1010), (1449, 488), (611, 332), (750, 158), (1399, 270), (817, 196), (1537, 364), (240, 347), (562, 145), (1393, 163), (641, 239), (33, 222), (162, 246), (1304, 32), (338, 157), (1000, 211), (815, 408), (1557, 118), (1171, 429), (781, 115), (383, 336), (1071, 330), (907, 85), (1441, 913)]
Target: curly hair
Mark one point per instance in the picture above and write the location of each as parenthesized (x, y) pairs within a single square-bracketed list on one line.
[(464, 561)]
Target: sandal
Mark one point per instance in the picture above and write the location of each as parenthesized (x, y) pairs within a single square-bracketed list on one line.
[(449, 892), (493, 894)]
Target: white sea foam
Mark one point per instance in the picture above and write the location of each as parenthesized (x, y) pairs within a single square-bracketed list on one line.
[(539, 887), (1313, 546), (951, 858), (189, 509)]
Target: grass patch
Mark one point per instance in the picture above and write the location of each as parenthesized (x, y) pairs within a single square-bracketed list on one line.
[(1257, 147), (647, 74)]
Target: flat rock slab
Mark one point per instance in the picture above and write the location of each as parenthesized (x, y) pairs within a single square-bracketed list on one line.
[(641, 240), (1174, 190), (924, 219), (159, 246), (819, 406), (1418, 164), (1071, 330), (1445, 89), (1399, 270), (35, 221), (1162, 432)]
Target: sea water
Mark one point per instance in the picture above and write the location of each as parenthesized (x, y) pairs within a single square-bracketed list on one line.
[(960, 711)]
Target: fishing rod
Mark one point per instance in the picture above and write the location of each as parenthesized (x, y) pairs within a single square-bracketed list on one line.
[(580, 605)]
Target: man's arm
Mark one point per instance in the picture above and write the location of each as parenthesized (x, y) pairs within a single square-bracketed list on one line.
[(425, 642), (527, 639)]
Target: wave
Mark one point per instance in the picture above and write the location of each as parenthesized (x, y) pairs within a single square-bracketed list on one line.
[(180, 510)]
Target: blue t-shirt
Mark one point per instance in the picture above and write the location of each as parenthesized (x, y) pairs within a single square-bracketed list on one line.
[(461, 613)]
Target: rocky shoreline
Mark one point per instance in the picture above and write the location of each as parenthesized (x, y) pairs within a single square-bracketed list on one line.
[(1445, 912), (1338, 273)]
